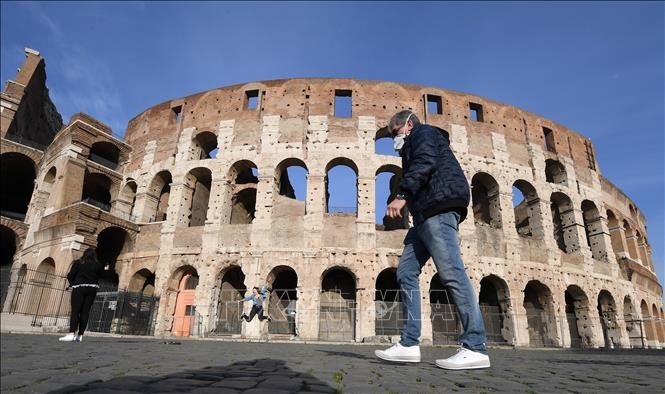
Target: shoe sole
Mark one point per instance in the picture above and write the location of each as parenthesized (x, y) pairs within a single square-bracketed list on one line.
[(462, 367), (397, 360)]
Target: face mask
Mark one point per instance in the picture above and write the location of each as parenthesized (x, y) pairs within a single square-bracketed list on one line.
[(398, 141)]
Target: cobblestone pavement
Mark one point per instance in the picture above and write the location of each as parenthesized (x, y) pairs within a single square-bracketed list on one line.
[(39, 363)]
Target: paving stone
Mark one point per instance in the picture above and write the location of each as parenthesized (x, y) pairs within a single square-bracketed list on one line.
[(236, 384)]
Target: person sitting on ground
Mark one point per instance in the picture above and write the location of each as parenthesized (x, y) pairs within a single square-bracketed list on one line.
[(257, 297)]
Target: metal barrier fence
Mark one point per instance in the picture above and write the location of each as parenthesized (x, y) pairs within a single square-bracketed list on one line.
[(45, 298)]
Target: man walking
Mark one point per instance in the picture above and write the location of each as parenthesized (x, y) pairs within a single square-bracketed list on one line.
[(437, 193)]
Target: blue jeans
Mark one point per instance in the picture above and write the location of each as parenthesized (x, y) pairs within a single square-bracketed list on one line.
[(436, 237)]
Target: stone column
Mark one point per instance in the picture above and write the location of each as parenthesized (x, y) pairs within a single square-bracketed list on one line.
[(365, 222), (315, 209)]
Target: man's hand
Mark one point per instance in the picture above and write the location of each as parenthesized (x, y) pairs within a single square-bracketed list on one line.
[(394, 209)]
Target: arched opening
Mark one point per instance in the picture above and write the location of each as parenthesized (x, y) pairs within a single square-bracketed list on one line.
[(341, 184), (138, 305), (385, 189), (615, 233), (563, 220), (157, 199), (105, 153), (245, 174), (8, 246), (526, 207), (641, 248), (204, 146), (196, 195), (229, 307), (291, 186), (127, 199), (555, 172), (607, 312), (388, 304), (494, 302), (337, 310), (445, 319), (633, 326), (42, 197), (539, 314), (658, 323), (17, 177), (648, 323), (594, 230), (111, 242), (578, 316), (97, 190), (383, 143), (631, 241), (184, 314), (40, 290), (485, 197), (143, 282), (282, 300)]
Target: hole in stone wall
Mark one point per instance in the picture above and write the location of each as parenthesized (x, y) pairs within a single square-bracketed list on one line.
[(343, 103), (434, 104)]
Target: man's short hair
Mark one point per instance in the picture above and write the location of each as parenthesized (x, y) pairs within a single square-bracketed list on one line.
[(398, 120)]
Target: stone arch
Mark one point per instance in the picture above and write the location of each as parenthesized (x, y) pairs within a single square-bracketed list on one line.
[(563, 220), (648, 323), (593, 230), (111, 243), (204, 146), (17, 176), (485, 200), (615, 233), (528, 216), (388, 303), (43, 193), (282, 303), (9, 244), (494, 300), (97, 190), (387, 180), (157, 197), (607, 311), (539, 307), (632, 322), (143, 281), (337, 308), (641, 248), (127, 198), (335, 206), (196, 196), (243, 176), (630, 240), (383, 142), (286, 201), (658, 323), (181, 300), (41, 290), (578, 315), (555, 172), (230, 290), (105, 153)]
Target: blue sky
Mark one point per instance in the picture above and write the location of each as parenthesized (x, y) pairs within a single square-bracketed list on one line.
[(597, 68)]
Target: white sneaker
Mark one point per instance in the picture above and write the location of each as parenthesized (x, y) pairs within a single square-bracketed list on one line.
[(71, 337), (79, 338), (465, 359), (399, 353)]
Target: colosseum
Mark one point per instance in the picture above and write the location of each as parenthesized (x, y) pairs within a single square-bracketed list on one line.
[(199, 202)]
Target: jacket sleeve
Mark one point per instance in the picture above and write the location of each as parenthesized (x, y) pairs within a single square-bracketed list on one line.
[(71, 276), (249, 297), (423, 153)]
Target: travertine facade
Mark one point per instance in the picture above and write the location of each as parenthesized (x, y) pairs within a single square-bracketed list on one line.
[(568, 264)]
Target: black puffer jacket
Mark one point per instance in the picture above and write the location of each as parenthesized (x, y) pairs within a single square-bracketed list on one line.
[(432, 178), (87, 274)]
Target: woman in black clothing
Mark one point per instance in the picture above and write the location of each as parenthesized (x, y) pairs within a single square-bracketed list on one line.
[(83, 278)]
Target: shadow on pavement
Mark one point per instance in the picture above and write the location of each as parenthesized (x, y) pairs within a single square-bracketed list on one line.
[(255, 376)]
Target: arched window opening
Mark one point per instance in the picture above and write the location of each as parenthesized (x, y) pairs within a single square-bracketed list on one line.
[(578, 315), (383, 143), (204, 146), (337, 317), (341, 187), (526, 207), (494, 303), (291, 186), (594, 230), (97, 190), (105, 153), (385, 189), (157, 199), (127, 199), (197, 194), (17, 176), (243, 200), (633, 324), (555, 172), (184, 313), (631, 240), (608, 319), (486, 203), (563, 219), (615, 233)]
